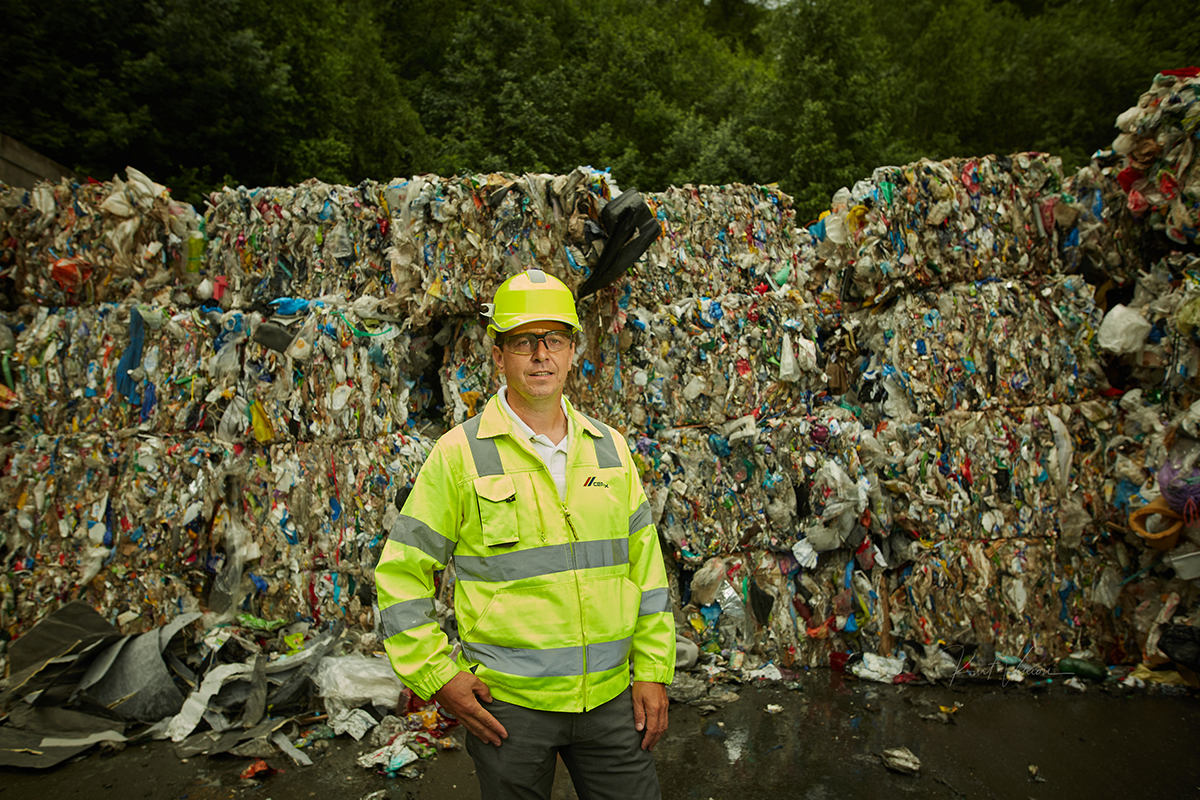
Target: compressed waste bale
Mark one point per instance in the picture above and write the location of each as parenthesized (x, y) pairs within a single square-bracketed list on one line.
[(1163, 354), (174, 370), (700, 361), (717, 241), (152, 525), (931, 223), (1158, 171), (96, 242), (978, 345)]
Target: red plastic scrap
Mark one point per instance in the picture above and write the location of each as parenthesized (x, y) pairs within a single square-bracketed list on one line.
[(259, 769), (1168, 185), (821, 631), (1128, 177), (70, 273)]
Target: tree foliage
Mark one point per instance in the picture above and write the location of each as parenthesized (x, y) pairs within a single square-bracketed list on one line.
[(812, 94)]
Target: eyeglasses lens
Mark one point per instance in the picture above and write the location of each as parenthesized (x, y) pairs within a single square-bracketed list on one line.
[(526, 344)]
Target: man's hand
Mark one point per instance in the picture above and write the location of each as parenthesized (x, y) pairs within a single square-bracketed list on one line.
[(650, 711), (458, 697)]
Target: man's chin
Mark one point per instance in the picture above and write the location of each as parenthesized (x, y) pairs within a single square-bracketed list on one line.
[(535, 392)]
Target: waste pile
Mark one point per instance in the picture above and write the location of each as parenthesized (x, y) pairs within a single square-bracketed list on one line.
[(1156, 149), (931, 224), (71, 244), (930, 428), (149, 528), (245, 687)]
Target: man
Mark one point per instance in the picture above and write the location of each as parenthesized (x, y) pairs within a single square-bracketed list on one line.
[(560, 581)]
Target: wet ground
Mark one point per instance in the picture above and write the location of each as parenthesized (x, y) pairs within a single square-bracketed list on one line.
[(823, 741)]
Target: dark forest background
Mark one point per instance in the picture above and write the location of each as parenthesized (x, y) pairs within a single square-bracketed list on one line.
[(810, 94)]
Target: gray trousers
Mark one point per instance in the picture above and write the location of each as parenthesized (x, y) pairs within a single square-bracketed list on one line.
[(601, 748)]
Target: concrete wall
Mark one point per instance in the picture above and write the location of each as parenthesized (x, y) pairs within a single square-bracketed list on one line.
[(22, 166)]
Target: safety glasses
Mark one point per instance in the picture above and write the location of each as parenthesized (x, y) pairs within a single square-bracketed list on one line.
[(526, 344)]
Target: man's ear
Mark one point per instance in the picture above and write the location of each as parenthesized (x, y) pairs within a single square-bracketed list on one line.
[(498, 357)]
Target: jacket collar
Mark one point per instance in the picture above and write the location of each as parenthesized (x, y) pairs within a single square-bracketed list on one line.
[(495, 422)]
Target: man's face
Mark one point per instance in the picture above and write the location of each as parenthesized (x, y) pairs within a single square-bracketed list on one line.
[(539, 377)]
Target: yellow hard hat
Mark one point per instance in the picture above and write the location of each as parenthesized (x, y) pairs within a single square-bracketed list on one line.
[(531, 296)]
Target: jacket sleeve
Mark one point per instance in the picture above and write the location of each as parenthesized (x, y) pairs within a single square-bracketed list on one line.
[(654, 636), (421, 540)]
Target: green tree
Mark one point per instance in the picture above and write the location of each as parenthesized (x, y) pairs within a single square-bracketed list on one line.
[(61, 92), (822, 123), (945, 57), (738, 22), (197, 94), (813, 94), (646, 89), (503, 99), (208, 96), (980, 77), (342, 114), (666, 91)]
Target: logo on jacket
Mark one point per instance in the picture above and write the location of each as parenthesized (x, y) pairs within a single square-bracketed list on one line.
[(593, 482)]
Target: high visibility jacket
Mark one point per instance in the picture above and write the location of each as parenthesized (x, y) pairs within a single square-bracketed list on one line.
[(554, 597)]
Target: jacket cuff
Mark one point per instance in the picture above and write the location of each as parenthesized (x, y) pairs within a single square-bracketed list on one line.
[(432, 680), (654, 673)]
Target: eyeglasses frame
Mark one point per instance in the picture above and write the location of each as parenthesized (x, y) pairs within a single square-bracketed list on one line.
[(540, 340)]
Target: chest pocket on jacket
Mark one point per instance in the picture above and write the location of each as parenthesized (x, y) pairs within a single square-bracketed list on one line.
[(497, 499)]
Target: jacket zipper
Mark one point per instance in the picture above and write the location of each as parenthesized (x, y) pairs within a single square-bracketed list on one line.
[(578, 598)]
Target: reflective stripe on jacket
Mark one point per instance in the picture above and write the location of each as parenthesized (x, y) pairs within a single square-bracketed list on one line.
[(554, 597)]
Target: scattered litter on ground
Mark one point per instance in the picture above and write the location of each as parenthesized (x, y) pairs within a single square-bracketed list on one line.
[(901, 759)]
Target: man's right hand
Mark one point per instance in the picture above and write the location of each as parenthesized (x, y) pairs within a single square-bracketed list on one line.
[(458, 697)]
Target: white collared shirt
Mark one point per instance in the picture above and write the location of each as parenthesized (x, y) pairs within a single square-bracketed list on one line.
[(553, 455)]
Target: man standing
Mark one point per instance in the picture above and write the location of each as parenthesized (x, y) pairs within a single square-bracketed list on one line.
[(561, 583)]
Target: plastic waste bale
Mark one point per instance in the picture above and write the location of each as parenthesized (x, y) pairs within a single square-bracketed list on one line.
[(136, 523), (176, 371), (932, 223), (702, 360), (1157, 170), (470, 379), (291, 241), (1171, 347), (969, 346), (111, 237), (739, 477), (716, 241), (264, 377), (1091, 209), (453, 241)]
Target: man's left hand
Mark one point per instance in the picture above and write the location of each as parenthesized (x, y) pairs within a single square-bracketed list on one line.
[(650, 711)]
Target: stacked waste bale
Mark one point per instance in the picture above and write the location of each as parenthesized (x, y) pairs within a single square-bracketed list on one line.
[(158, 525), (95, 242), (254, 360), (331, 370), (716, 241), (1156, 147)]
